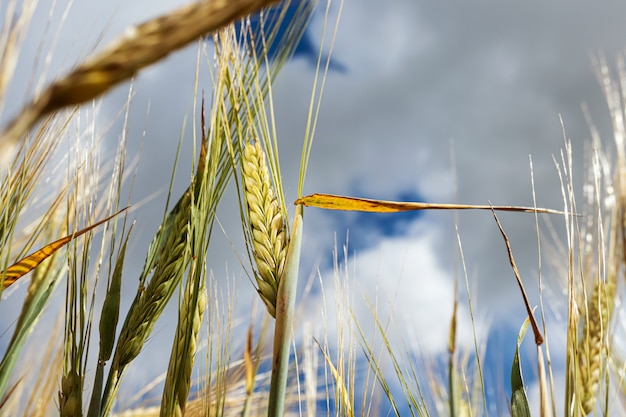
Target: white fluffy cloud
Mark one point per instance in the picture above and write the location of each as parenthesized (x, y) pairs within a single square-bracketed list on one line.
[(400, 277)]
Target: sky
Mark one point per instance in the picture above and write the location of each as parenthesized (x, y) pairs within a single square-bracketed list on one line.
[(432, 101)]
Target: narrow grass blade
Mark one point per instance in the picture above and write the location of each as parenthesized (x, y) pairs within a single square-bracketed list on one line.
[(454, 398), (519, 402), (25, 265), (341, 385), (10, 392), (285, 305), (338, 202), (376, 367)]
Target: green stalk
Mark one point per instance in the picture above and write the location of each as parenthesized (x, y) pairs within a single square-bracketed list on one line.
[(285, 306)]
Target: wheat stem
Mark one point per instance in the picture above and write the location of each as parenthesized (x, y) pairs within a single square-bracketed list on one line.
[(284, 320)]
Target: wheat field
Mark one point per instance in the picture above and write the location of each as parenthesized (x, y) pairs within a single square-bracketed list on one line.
[(90, 302)]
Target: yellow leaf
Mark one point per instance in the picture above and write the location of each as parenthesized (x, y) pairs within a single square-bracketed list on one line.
[(27, 264), (338, 202)]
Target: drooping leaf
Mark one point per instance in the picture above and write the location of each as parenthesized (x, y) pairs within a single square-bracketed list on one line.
[(27, 264), (339, 202)]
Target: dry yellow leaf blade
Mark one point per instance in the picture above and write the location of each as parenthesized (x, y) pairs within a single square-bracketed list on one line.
[(339, 202), (27, 264)]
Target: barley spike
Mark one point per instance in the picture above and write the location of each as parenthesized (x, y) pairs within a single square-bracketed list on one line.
[(267, 224), (591, 345)]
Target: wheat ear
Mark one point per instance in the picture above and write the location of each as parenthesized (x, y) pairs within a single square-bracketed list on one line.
[(138, 48), (267, 224), (178, 377), (150, 302), (591, 344)]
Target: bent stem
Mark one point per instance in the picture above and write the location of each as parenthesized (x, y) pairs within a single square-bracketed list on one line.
[(285, 305)]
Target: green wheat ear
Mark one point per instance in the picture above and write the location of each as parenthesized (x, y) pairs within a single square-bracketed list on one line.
[(592, 344)]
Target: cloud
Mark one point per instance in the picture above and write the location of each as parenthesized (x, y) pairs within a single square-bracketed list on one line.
[(400, 278), (483, 81)]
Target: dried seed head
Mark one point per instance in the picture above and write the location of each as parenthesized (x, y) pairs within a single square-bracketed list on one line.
[(267, 224)]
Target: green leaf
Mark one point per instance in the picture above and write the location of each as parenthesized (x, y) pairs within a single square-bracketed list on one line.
[(519, 402), (107, 327)]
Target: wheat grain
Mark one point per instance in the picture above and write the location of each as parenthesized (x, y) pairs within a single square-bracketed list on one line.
[(267, 224), (70, 395)]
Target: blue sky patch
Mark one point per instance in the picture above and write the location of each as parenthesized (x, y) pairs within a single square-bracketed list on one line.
[(307, 48), (364, 230)]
